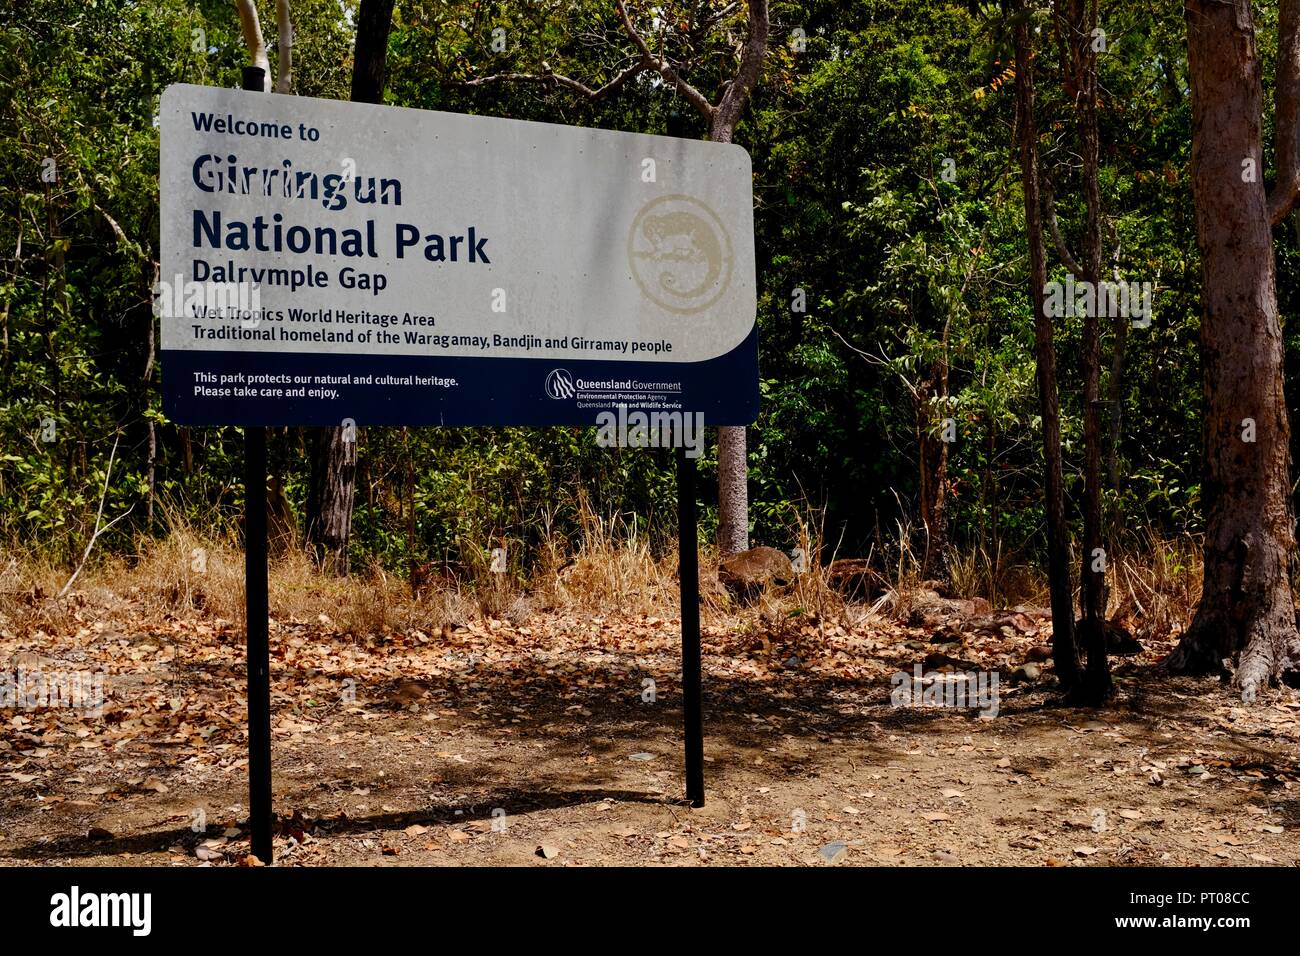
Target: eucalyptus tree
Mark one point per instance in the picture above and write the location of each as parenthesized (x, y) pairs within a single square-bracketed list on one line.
[(1247, 611)]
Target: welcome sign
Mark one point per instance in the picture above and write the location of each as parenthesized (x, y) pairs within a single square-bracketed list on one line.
[(328, 261)]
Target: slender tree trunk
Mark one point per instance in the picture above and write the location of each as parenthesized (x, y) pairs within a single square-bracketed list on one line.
[(733, 454), (53, 262), (333, 464), (329, 497), (146, 382), (733, 490), (1064, 653), (933, 461), (408, 490), (4, 317), (374, 20), (1097, 682), (1116, 407), (1246, 610)]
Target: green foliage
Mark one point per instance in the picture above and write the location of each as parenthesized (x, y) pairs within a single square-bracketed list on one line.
[(908, 264)]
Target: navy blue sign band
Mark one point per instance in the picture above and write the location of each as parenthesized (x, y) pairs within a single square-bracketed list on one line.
[(297, 388)]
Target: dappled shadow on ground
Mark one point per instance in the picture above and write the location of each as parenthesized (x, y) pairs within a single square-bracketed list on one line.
[(580, 704), (78, 845), (520, 800), (596, 705)]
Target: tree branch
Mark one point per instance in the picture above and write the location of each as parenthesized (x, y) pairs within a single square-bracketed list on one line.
[(284, 45), (119, 232), (721, 118), (1286, 119), (99, 516), (717, 17), (558, 79), (251, 28), (1054, 227), (665, 69), (751, 63)]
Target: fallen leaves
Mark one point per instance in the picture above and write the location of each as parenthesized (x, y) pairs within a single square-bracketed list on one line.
[(493, 698)]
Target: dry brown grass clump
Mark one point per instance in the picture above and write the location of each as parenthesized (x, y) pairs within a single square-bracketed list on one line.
[(1156, 584), (608, 568)]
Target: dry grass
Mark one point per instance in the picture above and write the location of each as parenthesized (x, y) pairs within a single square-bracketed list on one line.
[(190, 576), (1154, 580), (611, 566), (1156, 584), (1005, 581), (608, 567)]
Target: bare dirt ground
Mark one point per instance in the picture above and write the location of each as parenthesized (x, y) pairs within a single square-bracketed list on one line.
[(536, 744)]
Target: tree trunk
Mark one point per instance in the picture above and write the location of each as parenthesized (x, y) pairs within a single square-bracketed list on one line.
[(733, 454), (933, 462), (1116, 408), (329, 497), (1097, 685), (733, 490), (333, 464), (1246, 610), (374, 20), (146, 383), (1064, 653)]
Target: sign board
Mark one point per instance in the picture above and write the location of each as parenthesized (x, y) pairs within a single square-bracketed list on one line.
[(326, 261)]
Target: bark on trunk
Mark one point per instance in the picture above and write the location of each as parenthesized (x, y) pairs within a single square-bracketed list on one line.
[(374, 20), (1064, 653), (329, 498), (933, 472), (1246, 610), (333, 466), (1096, 686), (146, 381), (733, 490), (1116, 405), (733, 453)]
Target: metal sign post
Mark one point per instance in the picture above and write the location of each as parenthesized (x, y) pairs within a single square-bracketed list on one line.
[(257, 615)]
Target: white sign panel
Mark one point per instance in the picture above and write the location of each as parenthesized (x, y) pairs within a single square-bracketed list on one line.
[(326, 261)]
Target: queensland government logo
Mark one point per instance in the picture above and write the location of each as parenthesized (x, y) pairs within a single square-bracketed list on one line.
[(559, 384), (680, 254)]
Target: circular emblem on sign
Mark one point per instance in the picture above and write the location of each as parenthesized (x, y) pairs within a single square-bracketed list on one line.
[(680, 254), (559, 384)]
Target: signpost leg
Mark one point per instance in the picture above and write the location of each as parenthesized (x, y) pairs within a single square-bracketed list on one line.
[(256, 613), (689, 573)]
